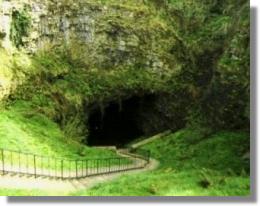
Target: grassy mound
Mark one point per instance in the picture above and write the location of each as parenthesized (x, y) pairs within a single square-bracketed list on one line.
[(190, 166)]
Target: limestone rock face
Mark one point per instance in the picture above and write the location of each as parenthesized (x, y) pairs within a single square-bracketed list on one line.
[(114, 35), (36, 9), (5, 21)]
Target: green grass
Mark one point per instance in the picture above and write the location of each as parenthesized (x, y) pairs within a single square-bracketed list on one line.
[(23, 129), (167, 182), (211, 166), (190, 164)]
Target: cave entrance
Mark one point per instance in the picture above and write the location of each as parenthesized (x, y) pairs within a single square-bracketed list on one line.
[(118, 123)]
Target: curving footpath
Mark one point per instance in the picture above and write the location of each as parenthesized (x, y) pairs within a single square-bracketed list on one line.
[(66, 186)]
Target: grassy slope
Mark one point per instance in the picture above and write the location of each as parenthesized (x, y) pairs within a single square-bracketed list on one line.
[(213, 166), (35, 133)]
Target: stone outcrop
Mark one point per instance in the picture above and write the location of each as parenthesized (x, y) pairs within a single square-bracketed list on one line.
[(116, 34)]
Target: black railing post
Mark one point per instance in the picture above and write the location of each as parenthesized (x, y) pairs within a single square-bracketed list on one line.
[(11, 160), (91, 163), (97, 166), (69, 168), (49, 171), (108, 165), (86, 167), (3, 161), (105, 166), (19, 158), (76, 162), (55, 167), (82, 169), (149, 155), (62, 169), (34, 164), (27, 164), (41, 166)]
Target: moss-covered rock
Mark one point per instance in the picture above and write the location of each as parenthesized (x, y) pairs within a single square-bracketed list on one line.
[(94, 52)]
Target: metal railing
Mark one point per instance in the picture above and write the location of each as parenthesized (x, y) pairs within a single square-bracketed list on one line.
[(36, 165)]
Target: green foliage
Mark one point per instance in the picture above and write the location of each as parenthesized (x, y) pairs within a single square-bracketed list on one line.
[(52, 63), (215, 69), (75, 127), (20, 26)]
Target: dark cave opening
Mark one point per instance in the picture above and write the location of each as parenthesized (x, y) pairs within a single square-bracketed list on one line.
[(118, 123)]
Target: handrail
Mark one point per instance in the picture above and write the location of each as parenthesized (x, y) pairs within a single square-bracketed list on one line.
[(18, 162), (60, 158)]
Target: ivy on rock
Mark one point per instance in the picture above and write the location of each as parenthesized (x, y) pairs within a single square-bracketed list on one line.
[(20, 27)]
